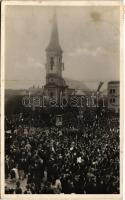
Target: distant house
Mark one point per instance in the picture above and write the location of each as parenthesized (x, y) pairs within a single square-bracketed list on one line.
[(114, 95)]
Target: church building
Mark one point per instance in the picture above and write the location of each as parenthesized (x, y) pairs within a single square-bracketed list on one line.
[(55, 83)]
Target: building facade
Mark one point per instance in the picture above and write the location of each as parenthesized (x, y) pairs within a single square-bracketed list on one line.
[(114, 95)]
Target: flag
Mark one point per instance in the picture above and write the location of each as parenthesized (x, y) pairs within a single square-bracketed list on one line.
[(100, 85)]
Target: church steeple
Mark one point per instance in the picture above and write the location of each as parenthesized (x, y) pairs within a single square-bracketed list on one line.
[(54, 38), (54, 65)]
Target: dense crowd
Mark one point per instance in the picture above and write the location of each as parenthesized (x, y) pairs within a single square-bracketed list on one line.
[(81, 158)]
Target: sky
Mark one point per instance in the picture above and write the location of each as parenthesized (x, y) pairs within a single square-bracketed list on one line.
[(89, 37)]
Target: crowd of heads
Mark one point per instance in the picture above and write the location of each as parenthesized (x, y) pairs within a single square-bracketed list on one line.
[(80, 157)]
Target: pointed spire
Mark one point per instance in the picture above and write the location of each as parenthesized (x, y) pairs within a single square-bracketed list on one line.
[(54, 39)]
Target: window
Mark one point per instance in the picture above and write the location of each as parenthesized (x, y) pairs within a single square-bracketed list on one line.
[(59, 59), (113, 91), (110, 100), (51, 63), (110, 91)]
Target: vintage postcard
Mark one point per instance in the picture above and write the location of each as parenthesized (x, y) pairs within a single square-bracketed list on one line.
[(62, 100)]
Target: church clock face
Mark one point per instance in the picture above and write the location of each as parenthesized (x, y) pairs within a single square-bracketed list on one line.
[(51, 80)]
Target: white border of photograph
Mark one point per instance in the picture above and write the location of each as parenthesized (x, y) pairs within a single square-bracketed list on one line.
[(3, 32)]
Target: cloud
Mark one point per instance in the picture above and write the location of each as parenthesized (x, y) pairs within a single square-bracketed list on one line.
[(88, 52), (32, 62), (88, 37)]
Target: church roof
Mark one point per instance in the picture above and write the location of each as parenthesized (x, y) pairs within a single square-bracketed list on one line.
[(54, 39)]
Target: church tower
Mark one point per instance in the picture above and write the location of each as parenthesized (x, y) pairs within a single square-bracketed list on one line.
[(55, 84)]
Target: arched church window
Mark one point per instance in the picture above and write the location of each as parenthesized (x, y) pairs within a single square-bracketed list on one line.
[(51, 63), (59, 59)]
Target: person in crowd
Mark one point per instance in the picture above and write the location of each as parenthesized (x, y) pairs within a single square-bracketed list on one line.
[(18, 189), (81, 158), (28, 190)]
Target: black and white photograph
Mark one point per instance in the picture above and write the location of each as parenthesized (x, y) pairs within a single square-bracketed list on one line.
[(62, 107)]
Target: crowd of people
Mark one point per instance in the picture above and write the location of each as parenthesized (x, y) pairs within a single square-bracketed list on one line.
[(80, 157)]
